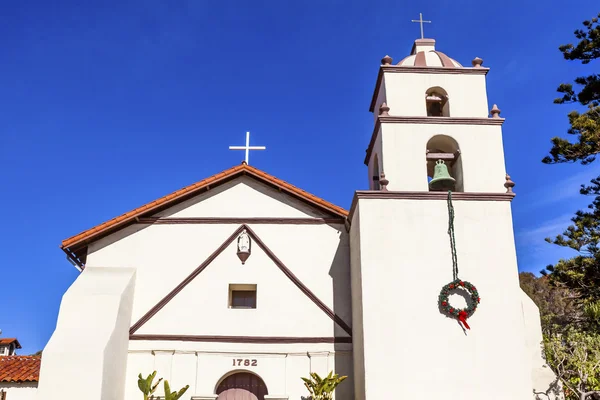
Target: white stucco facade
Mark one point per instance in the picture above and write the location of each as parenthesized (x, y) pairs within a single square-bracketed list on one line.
[(163, 255), (354, 293), (400, 279)]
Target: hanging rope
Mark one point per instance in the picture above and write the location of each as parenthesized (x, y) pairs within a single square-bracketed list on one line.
[(452, 238)]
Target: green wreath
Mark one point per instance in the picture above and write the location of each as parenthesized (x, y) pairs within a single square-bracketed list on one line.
[(461, 313)]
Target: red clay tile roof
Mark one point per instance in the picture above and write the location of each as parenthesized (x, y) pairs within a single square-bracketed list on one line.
[(76, 242), (20, 368), (5, 341)]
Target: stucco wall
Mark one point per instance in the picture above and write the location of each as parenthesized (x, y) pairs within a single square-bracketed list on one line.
[(482, 155), (357, 308), (405, 93), (163, 255), (405, 261), (19, 391), (88, 350), (203, 365)]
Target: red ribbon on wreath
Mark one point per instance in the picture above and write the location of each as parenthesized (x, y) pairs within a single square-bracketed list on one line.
[(462, 317)]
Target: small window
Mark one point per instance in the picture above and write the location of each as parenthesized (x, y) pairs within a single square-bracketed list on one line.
[(242, 296)]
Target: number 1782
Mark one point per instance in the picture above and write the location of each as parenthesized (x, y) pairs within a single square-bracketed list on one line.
[(245, 362)]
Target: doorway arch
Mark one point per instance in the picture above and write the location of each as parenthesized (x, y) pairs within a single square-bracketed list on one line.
[(241, 385)]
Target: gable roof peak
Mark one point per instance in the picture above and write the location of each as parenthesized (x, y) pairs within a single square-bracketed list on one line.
[(76, 246)]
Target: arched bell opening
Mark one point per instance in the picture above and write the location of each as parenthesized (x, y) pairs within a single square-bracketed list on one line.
[(444, 164), (436, 101), (241, 384), (375, 185)]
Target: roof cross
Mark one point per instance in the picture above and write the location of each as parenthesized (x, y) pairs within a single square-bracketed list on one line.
[(421, 21), (247, 147)]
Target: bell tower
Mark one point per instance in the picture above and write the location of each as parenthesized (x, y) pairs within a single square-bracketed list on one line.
[(428, 107), (433, 133)]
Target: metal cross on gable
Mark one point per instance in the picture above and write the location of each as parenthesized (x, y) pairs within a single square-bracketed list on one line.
[(421, 21), (247, 147)]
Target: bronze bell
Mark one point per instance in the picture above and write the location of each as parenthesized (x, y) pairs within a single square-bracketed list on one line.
[(441, 177)]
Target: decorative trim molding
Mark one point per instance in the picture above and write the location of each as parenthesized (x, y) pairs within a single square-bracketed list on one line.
[(456, 196), (425, 120), (441, 120), (248, 220), (146, 317), (243, 339), (408, 69)]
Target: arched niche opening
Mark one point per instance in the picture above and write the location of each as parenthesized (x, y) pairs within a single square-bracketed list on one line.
[(436, 101), (241, 384), (446, 149), (375, 185)]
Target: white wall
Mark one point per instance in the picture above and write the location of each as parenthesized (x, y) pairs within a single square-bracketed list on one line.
[(19, 391), (482, 154), (204, 365), (87, 352), (405, 93), (405, 260), (163, 255), (357, 308)]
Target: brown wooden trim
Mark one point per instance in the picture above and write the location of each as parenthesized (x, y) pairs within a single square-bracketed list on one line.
[(247, 220), (298, 283), (185, 282), (78, 243), (456, 196), (392, 119), (406, 69), (243, 339), (441, 120), (146, 317), (73, 257)]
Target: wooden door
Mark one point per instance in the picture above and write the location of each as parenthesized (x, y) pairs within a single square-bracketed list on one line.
[(242, 386)]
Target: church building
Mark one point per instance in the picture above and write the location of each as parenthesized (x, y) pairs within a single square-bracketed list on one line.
[(241, 284)]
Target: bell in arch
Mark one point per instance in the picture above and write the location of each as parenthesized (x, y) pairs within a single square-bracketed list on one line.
[(441, 177)]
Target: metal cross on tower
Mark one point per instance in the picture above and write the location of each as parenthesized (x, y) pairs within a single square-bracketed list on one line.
[(247, 147), (421, 21)]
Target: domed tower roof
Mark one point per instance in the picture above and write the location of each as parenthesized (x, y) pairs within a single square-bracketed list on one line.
[(423, 54)]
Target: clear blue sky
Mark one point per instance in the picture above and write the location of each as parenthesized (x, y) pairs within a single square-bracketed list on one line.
[(108, 106)]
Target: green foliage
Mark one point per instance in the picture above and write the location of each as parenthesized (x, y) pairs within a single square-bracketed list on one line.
[(575, 358), (322, 388), (585, 126), (581, 273), (176, 394), (146, 386), (558, 309)]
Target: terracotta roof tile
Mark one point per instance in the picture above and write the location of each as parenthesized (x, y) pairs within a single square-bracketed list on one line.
[(114, 223), (20, 368)]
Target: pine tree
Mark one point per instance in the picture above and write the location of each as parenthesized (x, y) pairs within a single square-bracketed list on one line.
[(582, 272)]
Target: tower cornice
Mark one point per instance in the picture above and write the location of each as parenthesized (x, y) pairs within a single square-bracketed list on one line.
[(403, 69), (440, 196), (426, 120)]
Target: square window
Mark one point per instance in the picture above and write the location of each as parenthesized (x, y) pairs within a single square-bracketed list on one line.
[(242, 296)]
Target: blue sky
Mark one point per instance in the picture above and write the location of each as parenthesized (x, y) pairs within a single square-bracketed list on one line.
[(110, 105)]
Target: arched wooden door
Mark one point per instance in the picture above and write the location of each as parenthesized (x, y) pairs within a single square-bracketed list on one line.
[(242, 386)]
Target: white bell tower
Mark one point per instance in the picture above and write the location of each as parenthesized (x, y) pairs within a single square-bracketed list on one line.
[(428, 107), (429, 103)]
